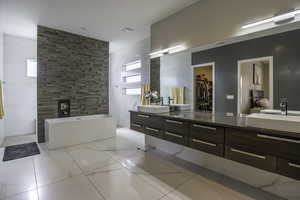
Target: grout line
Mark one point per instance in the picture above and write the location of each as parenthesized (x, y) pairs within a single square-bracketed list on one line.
[(175, 188), (87, 177), (35, 177)]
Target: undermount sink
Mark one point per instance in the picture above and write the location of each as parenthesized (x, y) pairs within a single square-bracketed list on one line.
[(275, 122), (153, 108)]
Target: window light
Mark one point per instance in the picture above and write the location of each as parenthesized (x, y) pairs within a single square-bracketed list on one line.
[(133, 65), (31, 67), (133, 91)]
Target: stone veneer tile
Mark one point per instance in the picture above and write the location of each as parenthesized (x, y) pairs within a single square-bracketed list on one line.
[(70, 67)]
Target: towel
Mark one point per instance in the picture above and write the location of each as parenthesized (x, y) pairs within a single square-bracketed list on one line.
[(177, 94), (144, 89), (1, 102)]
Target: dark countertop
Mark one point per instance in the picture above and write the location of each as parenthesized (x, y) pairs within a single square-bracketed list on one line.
[(220, 119)]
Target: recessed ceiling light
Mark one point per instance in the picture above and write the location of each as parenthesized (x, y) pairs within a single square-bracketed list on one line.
[(127, 29)]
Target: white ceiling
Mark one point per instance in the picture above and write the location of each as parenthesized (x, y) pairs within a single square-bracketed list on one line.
[(103, 19)]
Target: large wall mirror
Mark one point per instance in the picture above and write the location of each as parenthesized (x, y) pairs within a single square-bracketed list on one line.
[(240, 78)]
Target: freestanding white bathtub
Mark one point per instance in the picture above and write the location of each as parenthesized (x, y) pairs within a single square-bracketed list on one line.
[(62, 132)]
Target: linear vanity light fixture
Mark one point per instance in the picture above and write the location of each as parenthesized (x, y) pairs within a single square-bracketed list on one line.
[(170, 50), (277, 19)]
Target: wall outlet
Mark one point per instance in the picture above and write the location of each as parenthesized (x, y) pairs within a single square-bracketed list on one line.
[(230, 97)]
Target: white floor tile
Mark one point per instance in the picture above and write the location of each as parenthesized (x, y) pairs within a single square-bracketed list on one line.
[(75, 188), (55, 166), (16, 176), (150, 164), (91, 160), (122, 155), (203, 189), (168, 182), (30, 195), (123, 185), (21, 139)]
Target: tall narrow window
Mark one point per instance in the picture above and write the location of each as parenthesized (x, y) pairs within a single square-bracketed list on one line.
[(133, 91), (133, 65), (133, 79), (31, 65)]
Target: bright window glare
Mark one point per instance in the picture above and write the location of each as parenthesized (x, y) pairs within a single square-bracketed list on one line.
[(133, 91), (133, 79), (31, 68), (133, 65)]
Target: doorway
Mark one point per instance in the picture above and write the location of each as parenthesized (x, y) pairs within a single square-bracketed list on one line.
[(204, 87), (255, 85)]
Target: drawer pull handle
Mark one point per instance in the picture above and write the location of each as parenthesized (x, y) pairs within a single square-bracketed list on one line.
[(204, 127), (137, 125), (278, 138), (248, 154), (144, 116), (152, 129), (294, 165), (174, 135), (173, 122), (202, 142)]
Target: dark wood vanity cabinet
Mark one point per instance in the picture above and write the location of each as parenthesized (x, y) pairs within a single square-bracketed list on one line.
[(275, 152), (206, 138), (148, 124), (176, 131)]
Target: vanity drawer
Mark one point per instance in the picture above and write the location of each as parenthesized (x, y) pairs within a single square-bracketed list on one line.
[(176, 126), (207, 133), (208, 147), (155, 132), (136, 126), (249, 157), (147, 119), (281, 146), (174, 137), (288, 168)]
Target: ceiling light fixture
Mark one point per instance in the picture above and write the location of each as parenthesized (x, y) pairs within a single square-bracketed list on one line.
[(170, 50), (277, 19), (127, 29)]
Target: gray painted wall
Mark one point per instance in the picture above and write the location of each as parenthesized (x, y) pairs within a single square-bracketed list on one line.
[(120, 103), (284, 47), (71, 67), (176, 71)]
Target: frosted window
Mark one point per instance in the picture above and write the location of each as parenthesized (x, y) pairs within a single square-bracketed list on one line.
[(134, 65), (31, 68), (133, 91), (133, 79)]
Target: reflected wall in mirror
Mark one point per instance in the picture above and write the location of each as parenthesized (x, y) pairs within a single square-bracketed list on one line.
[(283, 47), (155, 74), (255, 86)]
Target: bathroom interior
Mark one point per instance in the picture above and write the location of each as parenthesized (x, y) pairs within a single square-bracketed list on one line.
[(106, 106)]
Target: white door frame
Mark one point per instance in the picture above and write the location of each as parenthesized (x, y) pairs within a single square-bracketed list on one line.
[(271, 90), (213, 79)]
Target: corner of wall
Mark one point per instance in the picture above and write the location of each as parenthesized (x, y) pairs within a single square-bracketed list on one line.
[(1, 77)]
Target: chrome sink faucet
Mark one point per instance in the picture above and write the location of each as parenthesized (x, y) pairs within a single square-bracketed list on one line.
[(284, 106)]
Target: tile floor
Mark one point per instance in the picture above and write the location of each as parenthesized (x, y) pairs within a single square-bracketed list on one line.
[(14, 140), (112, 169)]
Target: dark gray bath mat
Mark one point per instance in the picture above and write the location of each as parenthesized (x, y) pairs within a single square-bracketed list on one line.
[(20, 151)]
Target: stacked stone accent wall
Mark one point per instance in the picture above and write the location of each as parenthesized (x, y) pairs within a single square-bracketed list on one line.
[(70, 67)]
